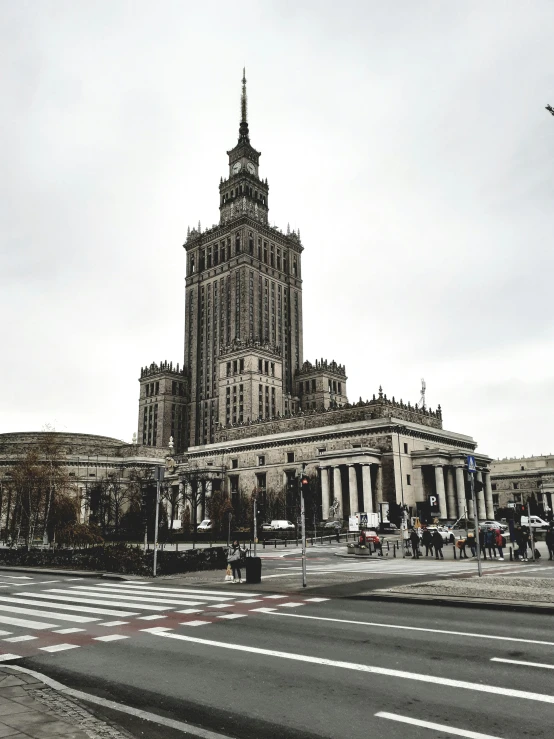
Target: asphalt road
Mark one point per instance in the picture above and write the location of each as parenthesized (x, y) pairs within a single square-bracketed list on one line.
[(298, 668)]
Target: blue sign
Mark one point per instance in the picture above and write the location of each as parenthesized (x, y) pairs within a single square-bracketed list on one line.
[(363, 520), (471, 467)]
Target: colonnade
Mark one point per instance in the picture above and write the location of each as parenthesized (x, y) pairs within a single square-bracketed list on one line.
[(450, 487), (353, 492)]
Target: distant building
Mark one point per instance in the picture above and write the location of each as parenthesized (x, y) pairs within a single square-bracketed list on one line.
[(257, 413), (519, 480)]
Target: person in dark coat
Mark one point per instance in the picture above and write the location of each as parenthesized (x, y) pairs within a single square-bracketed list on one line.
[(524, 543), (550, 541), (437, 543), (414, 539), (490, 543), (482, 543), (427, 542)]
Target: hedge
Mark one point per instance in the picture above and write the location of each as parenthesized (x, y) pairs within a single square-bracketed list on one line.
[(129, 560)]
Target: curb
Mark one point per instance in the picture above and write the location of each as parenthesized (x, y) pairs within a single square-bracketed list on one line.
[(439, 600), (77, 573)]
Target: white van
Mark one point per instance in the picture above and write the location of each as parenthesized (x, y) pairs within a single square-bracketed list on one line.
[(537, 523), (282, 525)]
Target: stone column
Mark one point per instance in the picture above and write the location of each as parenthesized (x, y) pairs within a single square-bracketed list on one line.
[(337, 489), (379, 487), (480, 498), (461, 491), (439, 480), (324, 493), (366, 482), (488, 494), (353, 489), (199, 500), (450, 494)]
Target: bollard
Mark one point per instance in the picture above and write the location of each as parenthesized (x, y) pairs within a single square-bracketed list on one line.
[(511, 555), (454, 550), (286, 542), (275, 542), (394, 550), (388, 547)]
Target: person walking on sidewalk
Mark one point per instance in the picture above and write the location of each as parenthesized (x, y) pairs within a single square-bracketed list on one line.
[(472, 543), (461, 546), (500, 542), (233, 558), (482, 543), (414, 540), (490, 542), (437, 543), (427, 542), (550, 541)]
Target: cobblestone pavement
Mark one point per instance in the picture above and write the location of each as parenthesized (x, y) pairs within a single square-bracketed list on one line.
[(29, 708)]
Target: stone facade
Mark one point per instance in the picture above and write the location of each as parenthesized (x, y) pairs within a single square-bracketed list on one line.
[(520, 479), (162, 406)]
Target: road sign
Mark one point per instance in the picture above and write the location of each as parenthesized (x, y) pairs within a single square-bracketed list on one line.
[(363, 520), (434, 504), (471, 466)]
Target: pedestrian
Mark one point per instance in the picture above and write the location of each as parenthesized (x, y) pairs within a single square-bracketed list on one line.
[(490, 542), (472, 543), (233, 558), (427, 542), (414, 540), (524, 543), (550, 541), (437, 543), (482, 543), (461, 546), (500, 542)]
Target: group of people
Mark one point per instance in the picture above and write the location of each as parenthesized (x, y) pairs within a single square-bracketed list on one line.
[(432, 541), (490, 541)]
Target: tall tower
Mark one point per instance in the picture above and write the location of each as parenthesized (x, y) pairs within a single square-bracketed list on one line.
[(162, 406), (243, 292)]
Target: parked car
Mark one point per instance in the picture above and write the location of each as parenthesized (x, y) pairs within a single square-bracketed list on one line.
[(281, 525), (266, 527), (205, 525), (372, 536), (491, 524), (335, 525), (446, 533)]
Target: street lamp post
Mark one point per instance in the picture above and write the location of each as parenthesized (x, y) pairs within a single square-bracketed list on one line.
[(159, 477), (403, 526)]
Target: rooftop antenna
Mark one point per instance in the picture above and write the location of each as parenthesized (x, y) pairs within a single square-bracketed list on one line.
[(422, 396)]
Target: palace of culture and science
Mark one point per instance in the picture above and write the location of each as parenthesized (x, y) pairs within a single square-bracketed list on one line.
[(246, 404)]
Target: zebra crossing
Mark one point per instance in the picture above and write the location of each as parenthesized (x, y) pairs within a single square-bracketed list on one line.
[(50, 616)]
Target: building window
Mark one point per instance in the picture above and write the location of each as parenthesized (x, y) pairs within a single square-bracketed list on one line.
[(321, 450), (261, 460), (493, 486), (290, 457), (408, 479), (405, 449), (515, 485), (495, 499), (261, 480), (234, 464), (234, 483)]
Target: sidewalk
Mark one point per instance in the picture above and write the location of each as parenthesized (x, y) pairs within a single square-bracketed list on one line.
[(31, 709)]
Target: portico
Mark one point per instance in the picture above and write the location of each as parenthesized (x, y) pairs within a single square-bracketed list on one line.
[(350, 482)]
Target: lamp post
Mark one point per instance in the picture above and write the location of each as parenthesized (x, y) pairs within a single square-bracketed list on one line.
[(403, 526), (160, 471)]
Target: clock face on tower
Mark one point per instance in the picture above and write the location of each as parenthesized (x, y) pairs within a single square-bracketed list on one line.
[(237, 167), (250, 167)]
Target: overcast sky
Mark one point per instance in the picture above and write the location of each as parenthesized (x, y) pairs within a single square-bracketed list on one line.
[(407, 140)]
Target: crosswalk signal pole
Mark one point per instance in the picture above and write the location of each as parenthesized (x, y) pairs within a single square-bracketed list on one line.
[(303, 480), (476, 524), (159, 477)]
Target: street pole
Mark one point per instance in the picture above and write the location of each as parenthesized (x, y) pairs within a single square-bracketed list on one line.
[(475, 523), (255, 523), (159, 478), (531, 530), (403, 528), (303, 519)]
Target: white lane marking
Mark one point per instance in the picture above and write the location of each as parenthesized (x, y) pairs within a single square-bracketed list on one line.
[(150, 618), (290, 605), (437, 727), (113, 623), (144, 715), (25, 637), (223, 605), (275, 612), (195, 623), (8, 657), (190, 610), (17, 577), (99, 602), (93, 592), (269, 597), (110, 637), (74, 578), (187, 592), (250, 600), (5, 633), (68, 631), (508, 661), (59, 647), (316, 600), (25, 623), (51, 614), (68, 607), (442, 681), (45, 582), (228, 615)]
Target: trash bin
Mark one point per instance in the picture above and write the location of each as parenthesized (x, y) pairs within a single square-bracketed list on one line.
[(253, 567)]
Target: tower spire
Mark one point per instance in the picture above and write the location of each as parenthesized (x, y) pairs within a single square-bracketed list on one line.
[(243, 128)]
